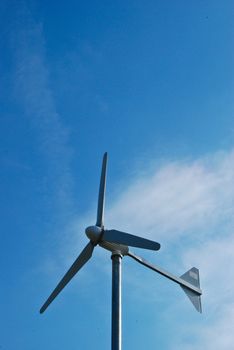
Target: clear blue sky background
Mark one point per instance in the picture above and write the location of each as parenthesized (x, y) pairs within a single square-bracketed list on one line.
[(152, 84)]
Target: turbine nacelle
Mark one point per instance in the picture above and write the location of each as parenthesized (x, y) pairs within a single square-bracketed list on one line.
[(94, 233)]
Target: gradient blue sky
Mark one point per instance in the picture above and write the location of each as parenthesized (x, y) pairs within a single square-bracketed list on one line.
[(152, 84)]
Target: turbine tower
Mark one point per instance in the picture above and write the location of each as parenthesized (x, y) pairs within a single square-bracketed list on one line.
[(118, 242)]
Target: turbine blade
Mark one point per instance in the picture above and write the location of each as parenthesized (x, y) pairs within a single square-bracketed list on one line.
[(101, 195), (115, 236), (76, 266)]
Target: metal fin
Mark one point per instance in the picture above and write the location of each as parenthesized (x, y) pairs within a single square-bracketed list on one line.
[(192, 276)]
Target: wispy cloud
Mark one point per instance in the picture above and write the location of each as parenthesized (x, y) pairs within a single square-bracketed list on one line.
[(33, 91)]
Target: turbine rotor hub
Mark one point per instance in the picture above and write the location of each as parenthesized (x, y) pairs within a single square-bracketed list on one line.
[(94, 233)]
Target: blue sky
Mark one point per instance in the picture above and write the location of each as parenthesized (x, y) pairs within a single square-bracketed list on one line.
[(152, 84)]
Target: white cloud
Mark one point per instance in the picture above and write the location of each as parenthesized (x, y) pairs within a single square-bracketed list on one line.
[(189, 205), (177, 198), (216, 260)]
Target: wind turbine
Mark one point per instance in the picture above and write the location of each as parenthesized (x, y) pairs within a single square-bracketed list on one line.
[(118, 243)]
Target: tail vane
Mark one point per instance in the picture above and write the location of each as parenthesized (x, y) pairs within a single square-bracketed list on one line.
[(192, 276)]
